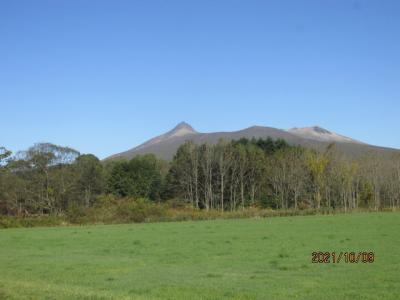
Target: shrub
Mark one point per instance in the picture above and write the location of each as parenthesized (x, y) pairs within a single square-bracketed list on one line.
[(31, 221), (76, 213), (109, 209), (140, 210)]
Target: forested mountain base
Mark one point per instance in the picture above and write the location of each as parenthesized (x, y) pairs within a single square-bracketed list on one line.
[(50, 180), (268, 173)]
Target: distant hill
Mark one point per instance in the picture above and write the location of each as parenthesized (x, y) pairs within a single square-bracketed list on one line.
[(165, 145)]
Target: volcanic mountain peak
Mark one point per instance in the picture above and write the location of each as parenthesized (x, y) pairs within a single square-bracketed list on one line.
[(321, 134), (181, 129)]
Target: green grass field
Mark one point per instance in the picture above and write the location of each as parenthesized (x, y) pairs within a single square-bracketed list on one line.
[(232, 259)]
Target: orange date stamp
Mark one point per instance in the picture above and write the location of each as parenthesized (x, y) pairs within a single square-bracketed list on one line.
[(323, 257)]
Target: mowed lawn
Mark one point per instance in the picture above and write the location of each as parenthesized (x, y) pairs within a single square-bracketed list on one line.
[(223, 259)]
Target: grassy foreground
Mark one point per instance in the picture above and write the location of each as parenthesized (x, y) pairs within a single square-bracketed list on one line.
[(233, 259)]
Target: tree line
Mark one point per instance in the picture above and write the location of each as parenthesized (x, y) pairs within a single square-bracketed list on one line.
[(227, 176), (267, 173)]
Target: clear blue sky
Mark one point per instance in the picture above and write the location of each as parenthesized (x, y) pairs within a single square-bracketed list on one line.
[(104, 76)]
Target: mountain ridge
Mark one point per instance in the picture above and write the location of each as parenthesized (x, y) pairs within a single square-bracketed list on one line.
[(165, 145)]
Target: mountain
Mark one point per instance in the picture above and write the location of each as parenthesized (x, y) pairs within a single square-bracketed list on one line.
[(181, 130), (320, 134), (164, 146)]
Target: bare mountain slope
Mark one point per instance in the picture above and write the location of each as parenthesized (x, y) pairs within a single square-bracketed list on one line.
[(320, 134), (165, 145), (182, 130)]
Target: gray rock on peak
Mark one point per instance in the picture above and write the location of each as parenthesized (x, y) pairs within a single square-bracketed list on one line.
[(184, 126), (181, 129), (320, 130)]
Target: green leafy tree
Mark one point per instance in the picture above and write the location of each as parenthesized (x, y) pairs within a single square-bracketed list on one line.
[(89, 178), (140, 177)]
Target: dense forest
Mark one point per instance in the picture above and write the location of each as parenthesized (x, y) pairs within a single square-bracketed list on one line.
[(48, 179)]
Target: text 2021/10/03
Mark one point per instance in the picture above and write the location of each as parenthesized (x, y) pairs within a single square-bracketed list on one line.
[(325, 257)]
